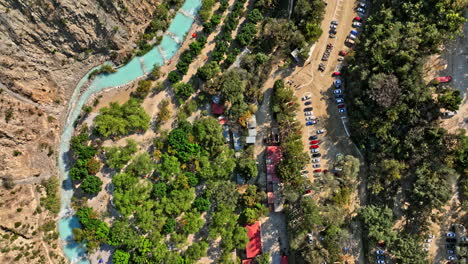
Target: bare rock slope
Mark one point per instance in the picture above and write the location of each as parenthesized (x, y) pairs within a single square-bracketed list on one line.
[(46, 46)]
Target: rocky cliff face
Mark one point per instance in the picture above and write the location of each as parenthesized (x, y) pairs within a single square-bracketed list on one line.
[(46, 46)]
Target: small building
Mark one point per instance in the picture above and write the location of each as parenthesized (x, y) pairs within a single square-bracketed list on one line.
[(295, 55), (250, 140), (252, 122)]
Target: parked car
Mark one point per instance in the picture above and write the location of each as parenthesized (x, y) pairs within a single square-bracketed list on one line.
[(342, 53), (308, 103), (308, 109), (337, 91), (450, 246), (452, 257), (362, 5), (336, 74), (306, 97), (332, 36), (382, 257), (341, 106), (318, 170), (315, 160), (309, 123), (332, 31), (379, 252), (340, 59), (451, 234), (316, 166), (315, 150), (380, 261), (334, 22), (358, 19), (320, 131), (337, 83), (314, 142), (351, 36), (316, 155), (333, 26), (308, 113), (339, 100), (342, 110), (314, 147), (305, 172), (360, 10), (337, 96), (353, 32), (450, 252), (313, 137), (357, 24)]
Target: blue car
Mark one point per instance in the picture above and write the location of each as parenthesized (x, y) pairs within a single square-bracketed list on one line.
[(354, 32), (309, 123), (337, 83), (308, 103)]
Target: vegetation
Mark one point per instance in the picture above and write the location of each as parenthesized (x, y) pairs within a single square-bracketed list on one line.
[(117, 120), (105, 68), (52, 200), (393, 116), (117, 157)]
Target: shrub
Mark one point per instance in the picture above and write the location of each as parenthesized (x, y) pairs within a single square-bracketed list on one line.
[(174, 77)]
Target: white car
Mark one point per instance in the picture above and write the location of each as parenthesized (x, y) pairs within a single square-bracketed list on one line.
[(315, 150), (308, 113), (333, 26), (453, 257), (316, 166), (307, 97), (320, 131), (362, 5), (339, 100), (337, 91), (334, 22), (309, 118), (342, 111), (360, 10), (316, 160), (351, 36), (379, 252), (357, 24)]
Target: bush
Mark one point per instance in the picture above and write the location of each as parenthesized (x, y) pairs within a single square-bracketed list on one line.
[(169, 226), (155, 73), (143, 89), (183, 90), (91, 184)]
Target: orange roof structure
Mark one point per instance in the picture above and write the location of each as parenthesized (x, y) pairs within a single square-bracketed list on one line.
[(254, 246)]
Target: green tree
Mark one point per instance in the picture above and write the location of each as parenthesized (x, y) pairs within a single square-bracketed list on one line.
[(159, 190), (169, 226), (155, 73), (450, 99), (201, 204), (378, 223), (117, 157), (209, 70), (120, 257), (123, 235), (143, 89), (141, 165), (191, 222), (196, 251), (169, 167), (91, 184), (93, 166), (255, 16), (174, 77), (183, 90)]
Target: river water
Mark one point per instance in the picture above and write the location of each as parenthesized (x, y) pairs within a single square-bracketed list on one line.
[(136, 68)]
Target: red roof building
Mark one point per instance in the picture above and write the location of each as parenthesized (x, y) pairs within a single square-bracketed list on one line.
[(247, 261), (254, 246), (217, 109), (272, 160)]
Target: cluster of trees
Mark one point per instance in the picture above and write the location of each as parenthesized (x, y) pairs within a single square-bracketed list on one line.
[(393, 116), (160, 22), (118, 120), (189, 55), (86, 164), (106, 68), (156, 196)]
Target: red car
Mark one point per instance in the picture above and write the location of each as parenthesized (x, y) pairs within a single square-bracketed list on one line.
[(342, 53), (341, 106), (308, 191), (336, 74), (314, 146), (358, 19), (314, 142), (318, 170)]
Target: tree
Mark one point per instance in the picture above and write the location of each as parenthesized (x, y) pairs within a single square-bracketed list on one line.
[(201, 204), (247, 167), (117, 157), (255, 16), (450, 100), (141, 165), (209, 135), (384, 89), (121, 119), (196, 47), (191, 222), (407, 249), (178, 201), (223, 194), (169, 226), (378, 223), (174, 77), (93, 166), (196, 251), (91, 184), (78, 173), (155, 73), (120, 257), (183, 90), (350, 167), (123, 235), (143, 89), (169, 167), (262, 259), (209, 70), (159, 190)]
